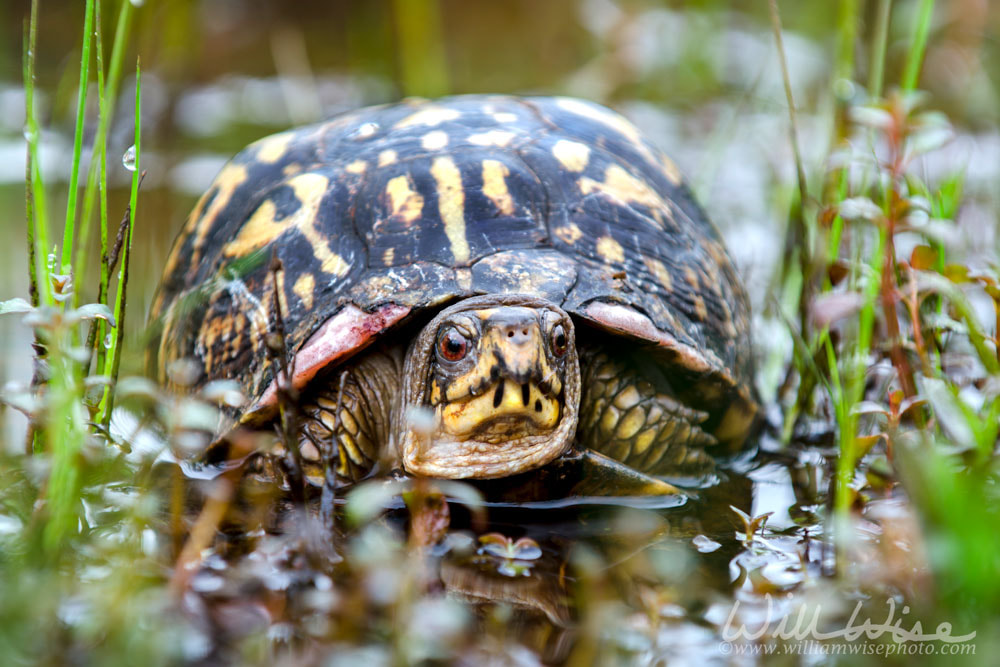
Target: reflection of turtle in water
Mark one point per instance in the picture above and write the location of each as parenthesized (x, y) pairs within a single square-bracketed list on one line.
[(489, 279)]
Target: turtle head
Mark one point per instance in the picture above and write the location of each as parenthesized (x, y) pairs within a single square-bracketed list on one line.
[(498, 382)]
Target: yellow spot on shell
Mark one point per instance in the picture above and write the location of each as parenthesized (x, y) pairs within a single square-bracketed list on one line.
[(491, 138), (429, 115), (262, 228), (692, 278), (388, 255), (451, 205), (404, 201), (626, 129), (201, 219), (659, 271), (270, 149), (434, 141), (569, 234), (386, 157), (504, 117), (356, 167), (605, 117), (670, 170), (610, 250), (304, 288), (495, 186), (699, 308), (572, 154), (624, 187), (463, 278)]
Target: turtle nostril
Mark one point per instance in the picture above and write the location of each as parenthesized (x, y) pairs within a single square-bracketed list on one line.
[(510, 334)]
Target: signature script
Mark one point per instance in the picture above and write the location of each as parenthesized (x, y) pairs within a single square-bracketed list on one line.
[(809, 628)]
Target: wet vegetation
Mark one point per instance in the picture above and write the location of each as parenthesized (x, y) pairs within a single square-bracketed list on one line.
[(848, 151)]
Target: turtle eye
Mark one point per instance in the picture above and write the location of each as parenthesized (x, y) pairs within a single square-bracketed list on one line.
[(453, 346), (559, 341)]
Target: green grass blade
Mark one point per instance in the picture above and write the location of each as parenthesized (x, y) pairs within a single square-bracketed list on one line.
[(877, 57), (69, 229), (66, 430), (39, 223), (100, 155), (113, 360), (421, 47), (29, 200), (847, 421), (915, 59), (108, 98), (847, 30), (798, 233)]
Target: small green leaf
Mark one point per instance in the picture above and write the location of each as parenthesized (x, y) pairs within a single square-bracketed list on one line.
[(873, 117), (954, 417), (92, 311), (224, 392), (368, 499), (869, 407), (136, 387), (924, 258), (860, 208), (15, 305)]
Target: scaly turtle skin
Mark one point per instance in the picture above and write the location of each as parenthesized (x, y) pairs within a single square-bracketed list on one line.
[(532, 273)]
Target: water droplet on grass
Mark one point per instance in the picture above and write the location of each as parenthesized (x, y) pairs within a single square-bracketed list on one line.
[(128, 160)]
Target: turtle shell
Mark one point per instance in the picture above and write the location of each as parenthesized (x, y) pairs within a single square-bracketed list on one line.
[(382, 213)]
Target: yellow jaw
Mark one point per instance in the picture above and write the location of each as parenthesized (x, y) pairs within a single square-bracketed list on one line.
[(505, 410)]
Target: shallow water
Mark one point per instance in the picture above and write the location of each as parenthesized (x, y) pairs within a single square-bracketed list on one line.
[(666, 570)]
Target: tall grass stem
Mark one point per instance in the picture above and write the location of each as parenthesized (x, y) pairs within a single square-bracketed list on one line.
[(880, 38), (421, 56), (113, 360), (112, 81), (36, 186), (915, 58), (69, 228)]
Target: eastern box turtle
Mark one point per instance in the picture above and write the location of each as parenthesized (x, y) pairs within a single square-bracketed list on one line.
[(471, 287)]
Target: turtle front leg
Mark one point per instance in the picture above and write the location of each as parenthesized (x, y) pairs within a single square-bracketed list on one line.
[(345, 423), (624, 416)]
